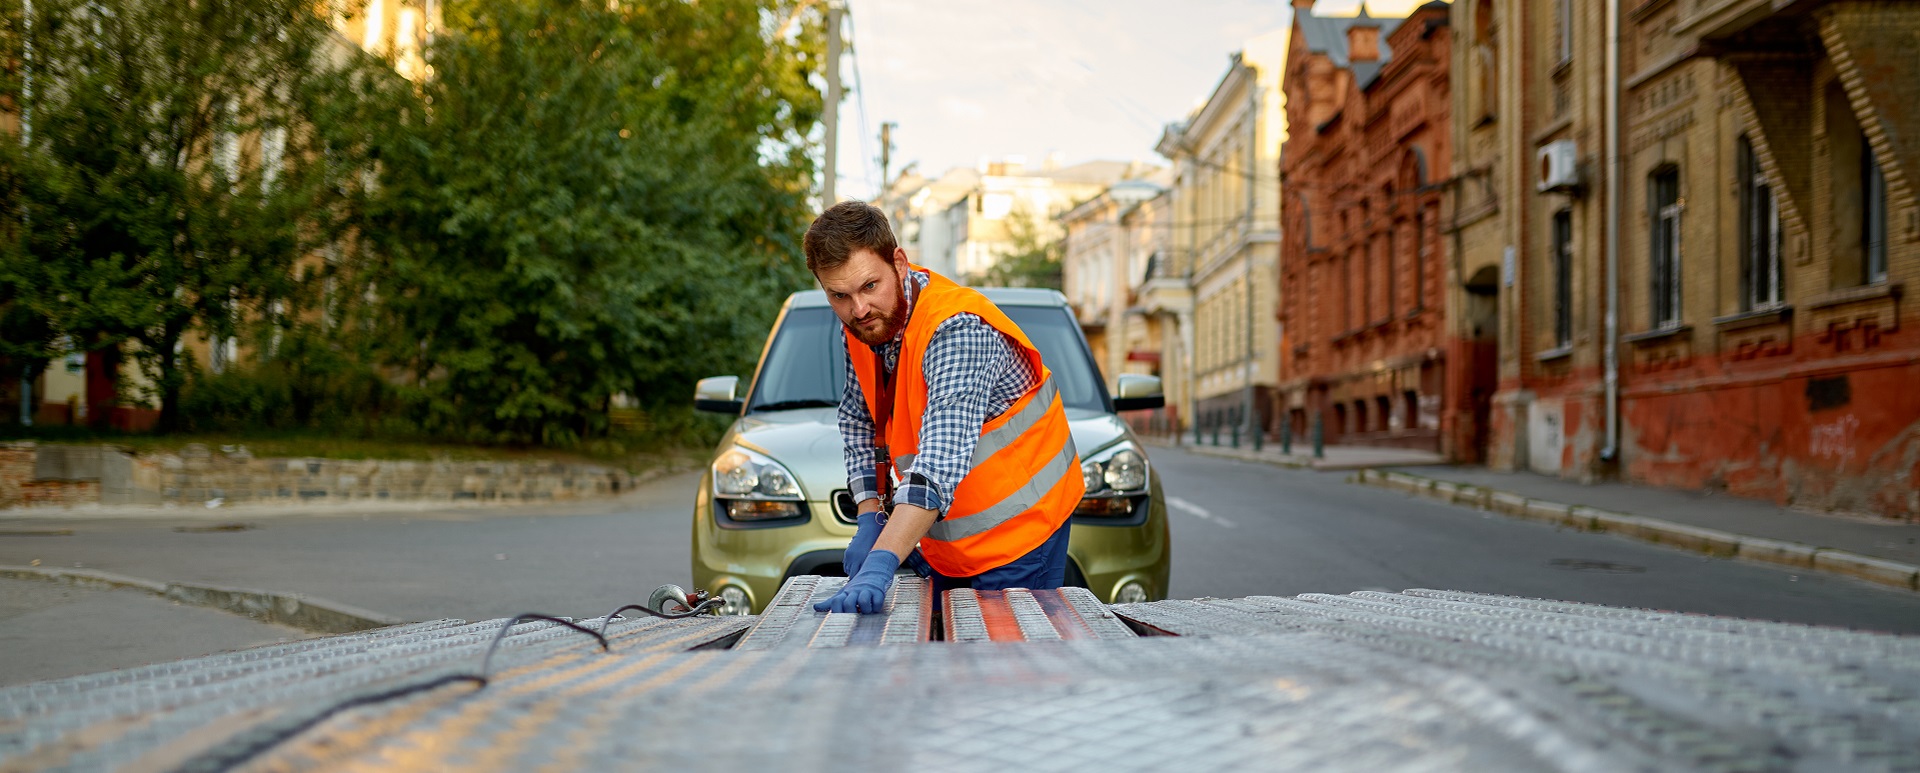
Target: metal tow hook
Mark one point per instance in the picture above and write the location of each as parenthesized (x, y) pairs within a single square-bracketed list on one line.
[(676, 596)]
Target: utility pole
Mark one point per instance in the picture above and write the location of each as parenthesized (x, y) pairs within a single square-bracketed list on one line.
[(26, 138), (831, 120), (886, 151)]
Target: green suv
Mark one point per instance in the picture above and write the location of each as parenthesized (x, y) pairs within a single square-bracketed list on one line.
[(774, 502)]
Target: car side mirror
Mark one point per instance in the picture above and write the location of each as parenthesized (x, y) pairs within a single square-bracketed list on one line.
[(1136, 392), (718, 394)]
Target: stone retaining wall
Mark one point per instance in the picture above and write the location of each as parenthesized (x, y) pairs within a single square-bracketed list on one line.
[(33, 474)]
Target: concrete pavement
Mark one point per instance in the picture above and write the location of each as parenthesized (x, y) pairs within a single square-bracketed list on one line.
[(50, 630), (1238, 529), (1875, 549)]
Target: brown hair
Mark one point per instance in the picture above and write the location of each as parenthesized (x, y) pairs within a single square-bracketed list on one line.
[(843, 228)]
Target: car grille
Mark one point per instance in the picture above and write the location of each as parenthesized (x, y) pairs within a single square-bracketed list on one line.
[(843, 506)]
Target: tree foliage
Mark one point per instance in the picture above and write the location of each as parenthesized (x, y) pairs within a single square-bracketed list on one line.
[(1031, 259), (132, 215), (587, 199)]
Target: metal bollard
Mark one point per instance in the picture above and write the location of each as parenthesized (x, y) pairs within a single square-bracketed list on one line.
[(1319, 440), (1216, 434), (1286, 434), (1259, 438), (1236, 434)]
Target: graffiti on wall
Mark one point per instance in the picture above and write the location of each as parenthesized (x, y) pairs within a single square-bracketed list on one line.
[(1834, 439)]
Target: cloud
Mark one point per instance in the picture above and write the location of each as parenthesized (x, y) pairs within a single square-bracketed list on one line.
[(962, 109)]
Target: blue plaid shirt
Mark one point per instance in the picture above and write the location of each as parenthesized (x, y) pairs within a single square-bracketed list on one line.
[(973, 373)]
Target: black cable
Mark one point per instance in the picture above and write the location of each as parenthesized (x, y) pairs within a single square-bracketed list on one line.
[(697, 609), (239, 750), (486, 663), (246, 746)]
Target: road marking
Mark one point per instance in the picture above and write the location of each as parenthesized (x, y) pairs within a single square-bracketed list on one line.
[(1197, 511)]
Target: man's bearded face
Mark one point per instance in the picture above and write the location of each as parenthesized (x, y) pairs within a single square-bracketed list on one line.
[(869, 296)]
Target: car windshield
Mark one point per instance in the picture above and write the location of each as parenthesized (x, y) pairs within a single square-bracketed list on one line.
[(806, 365)]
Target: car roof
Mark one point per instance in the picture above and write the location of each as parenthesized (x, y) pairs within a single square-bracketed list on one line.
[(1001, 296)]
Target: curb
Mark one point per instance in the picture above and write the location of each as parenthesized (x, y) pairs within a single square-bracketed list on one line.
[(291, 609), (1712, 542), (1224, 452)]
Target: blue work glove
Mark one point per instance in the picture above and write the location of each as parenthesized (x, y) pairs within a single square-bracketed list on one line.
[(866, 592), (866, 529)]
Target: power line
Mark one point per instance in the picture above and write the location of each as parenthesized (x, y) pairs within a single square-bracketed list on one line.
[(860, 102)]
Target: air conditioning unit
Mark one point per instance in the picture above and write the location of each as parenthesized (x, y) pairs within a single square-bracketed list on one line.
[(1558, 167)]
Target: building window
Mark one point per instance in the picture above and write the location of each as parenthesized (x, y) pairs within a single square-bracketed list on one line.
[(1420, 259), (1564, 31), (1664, 248), (1563, 278), (1873, 231), (1759, 234), (1392, 277), (1346, 292)]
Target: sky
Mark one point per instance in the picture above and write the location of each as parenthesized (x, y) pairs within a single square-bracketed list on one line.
[(1086, 79)]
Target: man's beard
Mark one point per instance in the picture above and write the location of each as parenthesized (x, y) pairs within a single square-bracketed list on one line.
[(895, 322)]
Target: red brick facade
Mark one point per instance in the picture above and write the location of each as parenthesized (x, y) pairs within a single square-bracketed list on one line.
[(1365, 348), (1768, 235)]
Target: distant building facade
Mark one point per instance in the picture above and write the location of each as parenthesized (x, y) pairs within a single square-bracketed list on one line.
[(1368, 354), (1226, 236), (1116, 249)]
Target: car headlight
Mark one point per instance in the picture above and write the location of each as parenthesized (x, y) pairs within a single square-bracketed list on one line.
[(1116, 479), (748, 486), (1119, 470)]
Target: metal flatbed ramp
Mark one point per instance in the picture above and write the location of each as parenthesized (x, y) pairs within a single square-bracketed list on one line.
[(791, 622), (1066, 614), (1422, 680), (133, 717)]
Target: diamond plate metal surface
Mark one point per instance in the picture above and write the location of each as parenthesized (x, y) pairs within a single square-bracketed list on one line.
[(1422, 680), (118, 718), (1022, 615), (790, 620)]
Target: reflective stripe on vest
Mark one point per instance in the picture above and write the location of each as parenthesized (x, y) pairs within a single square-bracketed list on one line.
[(948, 530), (997, 440)]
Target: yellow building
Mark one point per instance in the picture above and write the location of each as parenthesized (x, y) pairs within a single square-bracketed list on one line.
[(1225, 203)]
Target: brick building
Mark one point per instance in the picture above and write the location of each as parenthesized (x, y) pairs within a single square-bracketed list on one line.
[(1367, 351), (1743, 328)]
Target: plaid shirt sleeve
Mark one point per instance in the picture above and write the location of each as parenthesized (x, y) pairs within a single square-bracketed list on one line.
[(856, 437), (972, 373)]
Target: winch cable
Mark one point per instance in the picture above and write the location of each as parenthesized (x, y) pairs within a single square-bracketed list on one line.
[(697, 609), (260, 739)]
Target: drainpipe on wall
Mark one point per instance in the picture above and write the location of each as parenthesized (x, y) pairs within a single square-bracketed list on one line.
[(1611, 453)]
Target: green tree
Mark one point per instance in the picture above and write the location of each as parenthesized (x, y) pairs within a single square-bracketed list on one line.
[(1032, 258), (145, 211), (586, 199)]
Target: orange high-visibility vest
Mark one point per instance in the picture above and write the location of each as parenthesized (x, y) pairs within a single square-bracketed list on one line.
[(1024, 479)]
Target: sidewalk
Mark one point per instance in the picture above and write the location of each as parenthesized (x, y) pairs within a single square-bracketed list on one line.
[(1880, 551), (51, 630), (1334, 458)]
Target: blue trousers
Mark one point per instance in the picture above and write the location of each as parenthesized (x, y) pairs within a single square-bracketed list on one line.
[(1043, 568)]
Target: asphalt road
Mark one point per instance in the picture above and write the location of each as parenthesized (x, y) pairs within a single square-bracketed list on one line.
[(1238, 529)]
